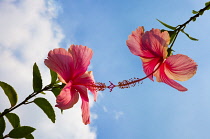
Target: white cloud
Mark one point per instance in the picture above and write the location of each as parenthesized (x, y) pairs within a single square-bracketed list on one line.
[(27, 29), (118, 114), (105, 109), (68, 125), (28, 32)]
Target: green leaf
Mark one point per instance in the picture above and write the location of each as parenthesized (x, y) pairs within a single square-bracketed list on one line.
[(201, 12), (206, 4), (2, 126), (21, 132), (30, 136), (194, 39), (13, 119), (54, 76), (43, 93), (194, 12), (166, 25), (170, 51), (56, 91), (194, 19), (37, 80), (15, 122), (172, 35), (10, 92), (46, 107)]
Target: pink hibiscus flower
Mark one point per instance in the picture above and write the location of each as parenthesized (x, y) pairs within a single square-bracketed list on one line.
[(152, 48), (71, 67)]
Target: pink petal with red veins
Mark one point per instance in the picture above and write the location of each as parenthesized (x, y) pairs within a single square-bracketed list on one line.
[(180, 67), (67, 97), (134, 41), (155, 44), (85, 103), (81, 58), (149, 65), (87, 80), (162, 77), (82, 90), (60, 61), (85, 112)]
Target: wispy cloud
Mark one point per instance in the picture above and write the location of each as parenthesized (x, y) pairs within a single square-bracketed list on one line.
[(118, 114), (105, 109), (28, 32)]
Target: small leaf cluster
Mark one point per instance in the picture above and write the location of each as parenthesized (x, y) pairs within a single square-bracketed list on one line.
[(201, 11), (175, 30), (19, 131), (43, 103)]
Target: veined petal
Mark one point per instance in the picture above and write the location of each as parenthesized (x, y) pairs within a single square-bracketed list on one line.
[(180, 67), (85, 103), (155, 44), (67, 97), (81, 58), (82, 90), (149, 65), (87, 80), (134, 41), (162, 77), (85, 112), (60, 61)]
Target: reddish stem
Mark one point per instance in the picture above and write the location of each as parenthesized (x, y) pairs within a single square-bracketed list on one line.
[(124, 84)]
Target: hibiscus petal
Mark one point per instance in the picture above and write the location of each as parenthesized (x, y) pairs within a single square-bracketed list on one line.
[(155, 44), (82, 91), (134, 41), (67, 97), (87, 80), (81, 57), (85, 112), (162, 77), (60, 61), (149, 65), (85, 103), (180, 67)]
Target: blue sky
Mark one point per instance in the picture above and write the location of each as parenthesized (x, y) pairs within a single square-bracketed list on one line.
[(150, 110)]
